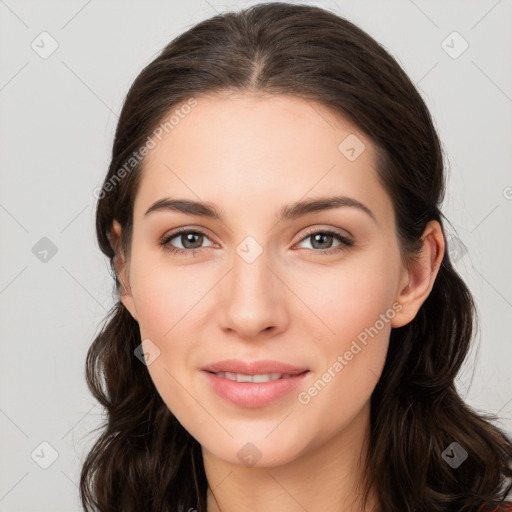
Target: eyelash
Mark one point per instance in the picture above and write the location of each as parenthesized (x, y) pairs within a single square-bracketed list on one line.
[(345, 243)]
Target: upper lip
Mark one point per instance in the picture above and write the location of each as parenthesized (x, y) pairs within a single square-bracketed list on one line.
[(253, 367)]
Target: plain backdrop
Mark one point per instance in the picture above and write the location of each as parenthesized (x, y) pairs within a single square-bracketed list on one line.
[(58, 115)]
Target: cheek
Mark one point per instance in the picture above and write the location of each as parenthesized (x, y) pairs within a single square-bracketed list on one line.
[(168, 301), (164, 295), (356, 306), (362, 300), (345, 301)]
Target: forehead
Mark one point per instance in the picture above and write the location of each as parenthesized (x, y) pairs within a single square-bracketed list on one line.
[(248, 148), (253, 127)]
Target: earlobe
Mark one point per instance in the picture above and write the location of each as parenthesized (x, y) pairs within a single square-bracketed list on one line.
[(121, 268), (126, 298), (420, 275)]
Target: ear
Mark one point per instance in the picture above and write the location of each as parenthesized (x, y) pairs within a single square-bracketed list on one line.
[(122, 269), (419, 276)]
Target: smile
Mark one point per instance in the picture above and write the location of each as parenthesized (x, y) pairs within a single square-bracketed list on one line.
[(251, 391)]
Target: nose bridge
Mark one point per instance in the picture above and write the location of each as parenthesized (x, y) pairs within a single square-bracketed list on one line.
[(252, 299)]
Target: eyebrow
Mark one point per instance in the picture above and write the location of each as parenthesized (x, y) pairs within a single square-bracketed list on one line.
[(288, 212)]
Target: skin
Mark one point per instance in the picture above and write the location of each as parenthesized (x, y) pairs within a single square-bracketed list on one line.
[(250, 155)]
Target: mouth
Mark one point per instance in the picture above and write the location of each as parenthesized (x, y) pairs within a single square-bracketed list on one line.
[(256, 388)]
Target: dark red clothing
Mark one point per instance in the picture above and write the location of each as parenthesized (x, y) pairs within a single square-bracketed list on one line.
[(504, 508)]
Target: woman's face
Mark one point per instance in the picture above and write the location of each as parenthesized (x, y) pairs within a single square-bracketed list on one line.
[(261, 286)]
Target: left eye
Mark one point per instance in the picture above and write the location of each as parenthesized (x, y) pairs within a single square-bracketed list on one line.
[(326, 237)]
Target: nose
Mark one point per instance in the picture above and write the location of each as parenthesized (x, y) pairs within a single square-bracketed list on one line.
[(252, 299)]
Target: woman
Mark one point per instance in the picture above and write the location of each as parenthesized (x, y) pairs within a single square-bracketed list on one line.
[(289, 325)]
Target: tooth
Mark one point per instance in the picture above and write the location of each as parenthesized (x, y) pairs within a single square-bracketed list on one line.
[(262, 378), (243, 378), (240, 377)]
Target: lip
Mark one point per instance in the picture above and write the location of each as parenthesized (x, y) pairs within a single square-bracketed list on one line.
[(254, 367), (253, 394)]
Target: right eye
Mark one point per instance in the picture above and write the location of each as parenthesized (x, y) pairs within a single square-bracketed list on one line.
[(187, 237)]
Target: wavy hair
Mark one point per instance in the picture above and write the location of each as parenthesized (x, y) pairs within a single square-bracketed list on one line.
[(143, 458)]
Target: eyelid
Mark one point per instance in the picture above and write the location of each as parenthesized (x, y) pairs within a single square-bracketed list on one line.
[(186, 229), (345, 242), (327, 229)]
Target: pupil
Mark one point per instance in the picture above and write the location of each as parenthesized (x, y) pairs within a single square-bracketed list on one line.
[(328, 237), (189, 238)]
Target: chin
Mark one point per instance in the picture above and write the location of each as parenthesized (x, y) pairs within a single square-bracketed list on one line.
[(257, 450)]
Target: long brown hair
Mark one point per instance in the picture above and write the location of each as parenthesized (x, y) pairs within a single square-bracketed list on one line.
[(144, 460)]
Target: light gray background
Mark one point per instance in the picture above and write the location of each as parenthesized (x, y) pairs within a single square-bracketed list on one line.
[(57, 122)]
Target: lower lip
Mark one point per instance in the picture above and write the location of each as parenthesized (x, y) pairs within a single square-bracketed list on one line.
[(253, 394)]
